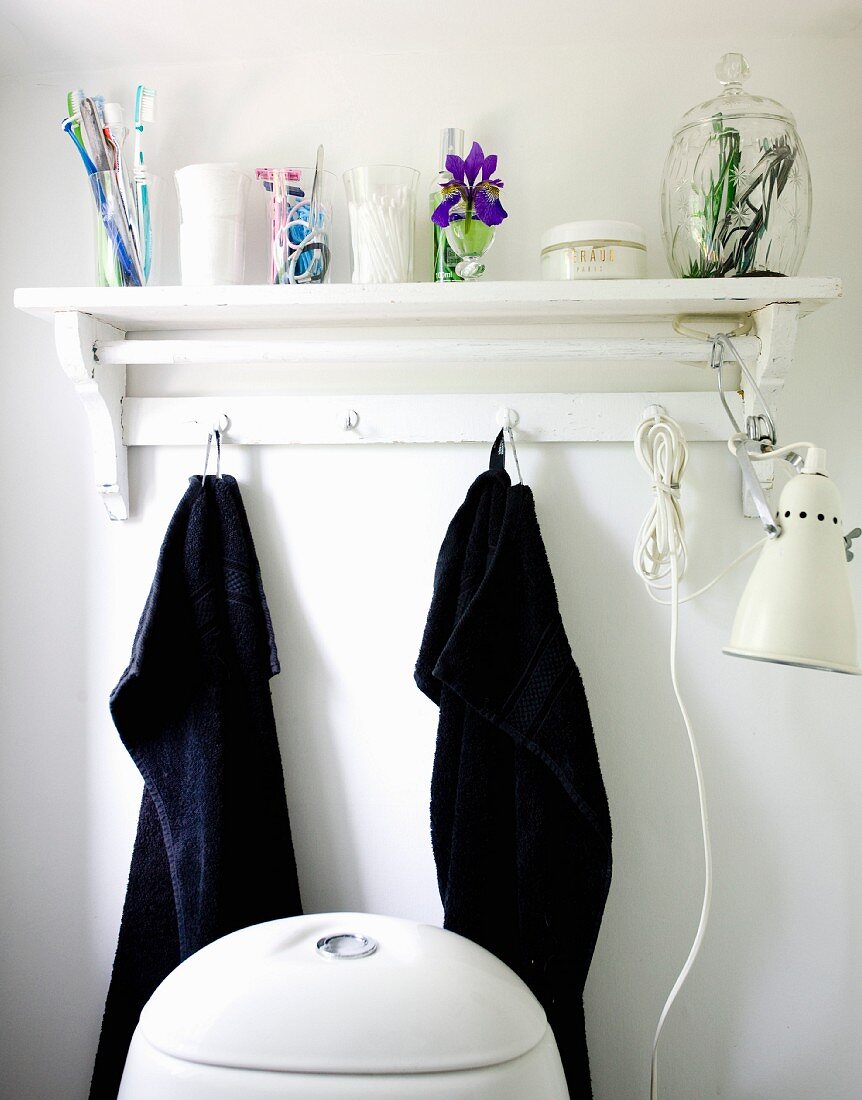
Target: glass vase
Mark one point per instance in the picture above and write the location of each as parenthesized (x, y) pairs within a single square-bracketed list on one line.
[(469, 238)]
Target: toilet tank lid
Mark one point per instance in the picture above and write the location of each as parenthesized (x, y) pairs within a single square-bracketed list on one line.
[(269, 997)]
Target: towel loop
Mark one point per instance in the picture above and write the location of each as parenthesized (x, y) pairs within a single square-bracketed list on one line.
[(216, 430), (507, 430)]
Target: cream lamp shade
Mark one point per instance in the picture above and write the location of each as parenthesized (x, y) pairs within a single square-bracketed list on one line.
[(797, 608)]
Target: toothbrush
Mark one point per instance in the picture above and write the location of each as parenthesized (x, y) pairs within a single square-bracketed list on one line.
[(145, 111), (92, 135), (73, 128), (115, 134)]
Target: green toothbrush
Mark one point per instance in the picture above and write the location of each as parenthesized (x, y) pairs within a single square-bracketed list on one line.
[(145, 111)]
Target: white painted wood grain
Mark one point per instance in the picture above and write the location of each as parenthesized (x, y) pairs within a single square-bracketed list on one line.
[(415, 418), (101, 388), (409, 351), (135, 309)]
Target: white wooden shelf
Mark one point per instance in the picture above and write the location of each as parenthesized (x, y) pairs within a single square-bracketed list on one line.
[(171, 308), (413, 337)]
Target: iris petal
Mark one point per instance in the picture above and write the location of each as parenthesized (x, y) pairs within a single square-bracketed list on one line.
[(473, 163), (487, 205), (455, 167), (490, 166), (451, 197)]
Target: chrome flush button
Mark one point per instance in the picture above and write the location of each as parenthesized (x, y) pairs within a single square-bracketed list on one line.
[(346, 945)]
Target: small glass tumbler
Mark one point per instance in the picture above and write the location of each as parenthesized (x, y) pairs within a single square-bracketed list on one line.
[(299, 239), (469, 238), (381, 203), (125, 254)]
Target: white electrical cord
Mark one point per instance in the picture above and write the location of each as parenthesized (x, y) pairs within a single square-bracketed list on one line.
[(662, 451), (660, 559), (660, 551)]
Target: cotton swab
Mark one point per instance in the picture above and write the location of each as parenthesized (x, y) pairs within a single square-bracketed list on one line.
[(381, 229)]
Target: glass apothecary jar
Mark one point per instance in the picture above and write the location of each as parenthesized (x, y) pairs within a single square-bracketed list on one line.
[(736, 190)]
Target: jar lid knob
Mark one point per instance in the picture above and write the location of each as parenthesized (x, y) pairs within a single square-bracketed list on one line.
[(732, 69)]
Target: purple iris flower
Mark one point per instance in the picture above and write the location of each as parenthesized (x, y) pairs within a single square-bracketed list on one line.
[(480, 199)]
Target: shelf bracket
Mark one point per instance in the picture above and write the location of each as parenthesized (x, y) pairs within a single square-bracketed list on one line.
[(102, 389), (776, 327)]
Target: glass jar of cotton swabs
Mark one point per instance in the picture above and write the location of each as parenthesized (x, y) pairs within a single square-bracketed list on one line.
[(381, 204)]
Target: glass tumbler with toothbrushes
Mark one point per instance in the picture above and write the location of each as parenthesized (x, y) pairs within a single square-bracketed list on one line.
[(118, 259), (123, 249), (299, 249)]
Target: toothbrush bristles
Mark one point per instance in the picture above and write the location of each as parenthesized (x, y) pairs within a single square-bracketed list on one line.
[(145, 104), (73, 103)]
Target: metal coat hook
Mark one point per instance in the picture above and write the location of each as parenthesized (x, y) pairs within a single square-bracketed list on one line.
[(508, 419), (218, 427)]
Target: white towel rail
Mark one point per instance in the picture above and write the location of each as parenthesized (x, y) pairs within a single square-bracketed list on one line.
[(239, 349)]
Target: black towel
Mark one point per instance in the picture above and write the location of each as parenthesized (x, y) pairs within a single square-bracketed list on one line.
[(213, 851), (519, 816)]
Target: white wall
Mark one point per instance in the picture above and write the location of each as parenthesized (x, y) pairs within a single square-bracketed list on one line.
[(348, 540)]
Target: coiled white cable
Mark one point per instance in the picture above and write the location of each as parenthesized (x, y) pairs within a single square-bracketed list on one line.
[(660, 553), (662, 451)]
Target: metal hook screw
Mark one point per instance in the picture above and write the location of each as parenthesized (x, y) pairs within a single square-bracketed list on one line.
[(351, 420), (507, 418)]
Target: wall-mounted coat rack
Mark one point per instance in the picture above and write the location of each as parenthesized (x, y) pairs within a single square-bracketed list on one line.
[(586, 357)]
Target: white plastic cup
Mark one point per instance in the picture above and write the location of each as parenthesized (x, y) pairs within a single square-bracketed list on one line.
[(212, 252), (211, 191), (212, 201)]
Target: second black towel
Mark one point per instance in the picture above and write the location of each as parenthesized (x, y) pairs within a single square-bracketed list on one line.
[(519, 816)]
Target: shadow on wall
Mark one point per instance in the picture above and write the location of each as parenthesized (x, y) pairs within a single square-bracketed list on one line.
[(326, 852), (46, 800), (761, 889)]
